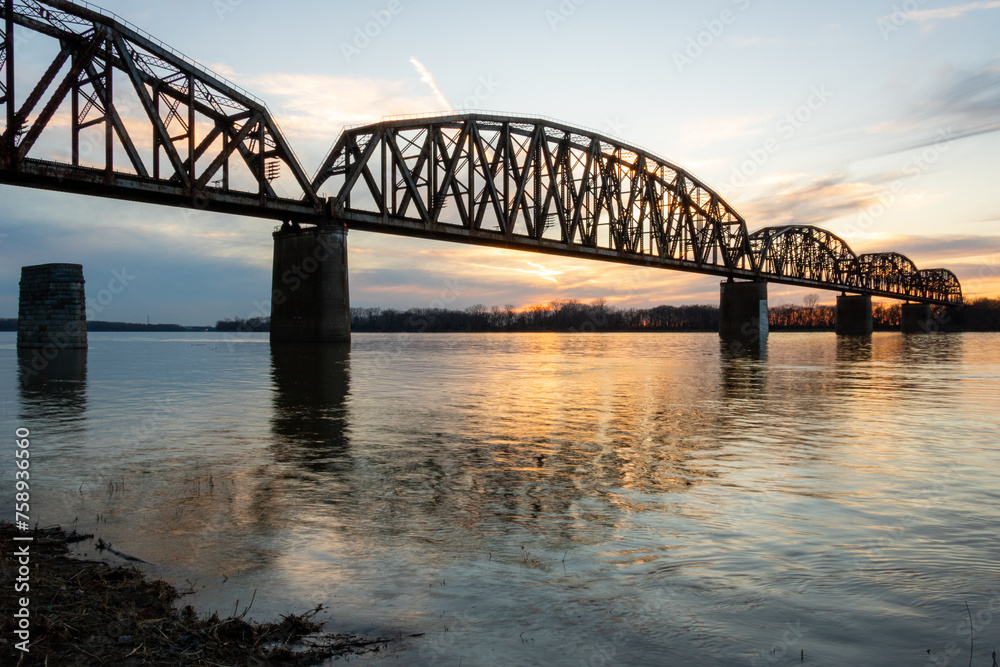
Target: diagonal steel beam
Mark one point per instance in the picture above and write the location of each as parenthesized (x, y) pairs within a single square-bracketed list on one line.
[(159, 128), (411, 186), (119, 126), (490, 188), (359, 168), (449, 175), (248, 126), (21, 116), (57, 98)]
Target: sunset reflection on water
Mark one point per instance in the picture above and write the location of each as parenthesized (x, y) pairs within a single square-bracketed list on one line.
[(549, 498)]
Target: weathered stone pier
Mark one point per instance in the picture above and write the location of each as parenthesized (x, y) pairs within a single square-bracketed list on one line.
[(52, 311)]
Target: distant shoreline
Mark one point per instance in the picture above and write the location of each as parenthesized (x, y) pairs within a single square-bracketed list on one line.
[(10, 324), (982, 314)]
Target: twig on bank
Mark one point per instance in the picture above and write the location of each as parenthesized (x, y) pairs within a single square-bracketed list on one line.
[(972, 637)]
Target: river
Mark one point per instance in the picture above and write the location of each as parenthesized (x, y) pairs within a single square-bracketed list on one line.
[(546, 499)]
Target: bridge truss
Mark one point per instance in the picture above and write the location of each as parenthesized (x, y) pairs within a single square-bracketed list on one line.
[(119, 114), (539, 185), (144, 122)]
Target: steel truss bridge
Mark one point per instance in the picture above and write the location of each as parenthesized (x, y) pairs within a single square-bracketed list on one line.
[(119, 114)]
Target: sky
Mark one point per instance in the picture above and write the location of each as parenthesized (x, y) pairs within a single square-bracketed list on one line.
[(879, 121)]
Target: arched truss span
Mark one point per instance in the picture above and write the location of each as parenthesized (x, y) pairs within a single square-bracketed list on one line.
[(535, 184), (805, 252), (938, 285), (887, 272), (530, 183)]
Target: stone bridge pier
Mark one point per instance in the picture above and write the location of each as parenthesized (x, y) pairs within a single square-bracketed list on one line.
[(743, 314), (310, 302), (854, 315)]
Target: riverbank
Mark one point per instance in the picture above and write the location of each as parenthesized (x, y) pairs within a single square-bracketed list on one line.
[(83, 612)]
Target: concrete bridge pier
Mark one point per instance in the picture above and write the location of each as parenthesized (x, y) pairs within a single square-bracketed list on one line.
[(916, 318), (310, 302), (743, 314), (854, 315)]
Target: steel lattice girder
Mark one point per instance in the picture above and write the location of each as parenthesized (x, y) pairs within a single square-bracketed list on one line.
[(202, 124), (534, 184), (512, 180)]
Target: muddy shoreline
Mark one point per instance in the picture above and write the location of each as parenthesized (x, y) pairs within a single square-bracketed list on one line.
[(83, 612)]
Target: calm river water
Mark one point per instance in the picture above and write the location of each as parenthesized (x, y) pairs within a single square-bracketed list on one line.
[(536, 499)]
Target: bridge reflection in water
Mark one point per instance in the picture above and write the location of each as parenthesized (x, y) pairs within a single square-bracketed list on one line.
[(53, 386)]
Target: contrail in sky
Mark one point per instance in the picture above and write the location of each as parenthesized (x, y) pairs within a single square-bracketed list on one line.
[(428, 78)]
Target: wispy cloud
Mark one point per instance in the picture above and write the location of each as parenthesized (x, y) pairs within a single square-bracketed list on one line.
[(966, 103), (943, 249), (953, 12), (428, 78), (540, 270), (312, 109), (797, 199)]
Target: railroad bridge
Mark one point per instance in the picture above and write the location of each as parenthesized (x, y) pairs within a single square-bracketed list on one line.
[(119, 114)]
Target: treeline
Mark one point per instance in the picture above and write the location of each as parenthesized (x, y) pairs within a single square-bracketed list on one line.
[(980, 315), (244, 325), (572, 315), (134, 327), (10, 324), (568, 315)]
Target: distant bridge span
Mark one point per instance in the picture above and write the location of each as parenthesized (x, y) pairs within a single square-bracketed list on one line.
[(147, 124)]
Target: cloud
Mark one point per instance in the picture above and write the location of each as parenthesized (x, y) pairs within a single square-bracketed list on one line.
[(428, 78), (944, 13), (402, 273), (312, 109), (961, 103), (702, 131), (926, 250), (798, 199)]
